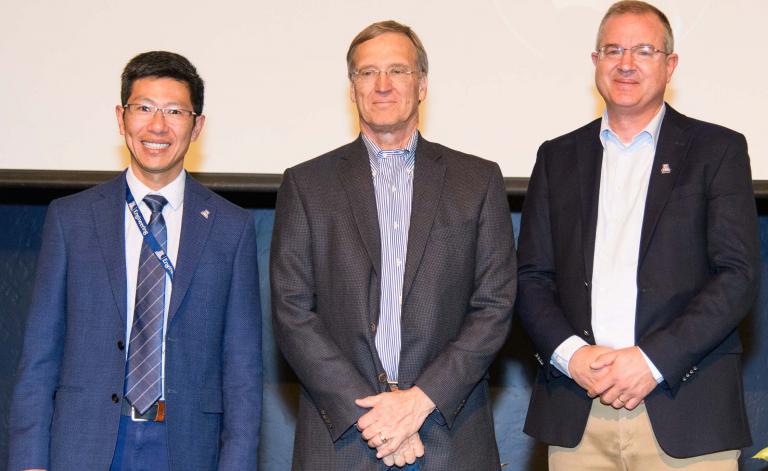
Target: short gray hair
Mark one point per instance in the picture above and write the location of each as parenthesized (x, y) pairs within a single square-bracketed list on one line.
[(389, 26), (636, 7)]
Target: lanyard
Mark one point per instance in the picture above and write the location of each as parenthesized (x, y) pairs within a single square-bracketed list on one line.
[(149, 238)]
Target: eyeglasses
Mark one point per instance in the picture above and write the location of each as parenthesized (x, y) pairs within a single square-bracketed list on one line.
[(147, 112), (640, 53), (398, 74)]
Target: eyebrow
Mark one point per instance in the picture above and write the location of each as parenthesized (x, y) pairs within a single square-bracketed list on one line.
[(150, 101), (396, 64)]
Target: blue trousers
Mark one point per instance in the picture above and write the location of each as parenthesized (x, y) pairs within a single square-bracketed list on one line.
[(409, 467), (141, 446)]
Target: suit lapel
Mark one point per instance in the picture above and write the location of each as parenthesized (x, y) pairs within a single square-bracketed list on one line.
[(194, 234), (671, 151), (355, 174), (589, 158), (109, 221), (428, 179)]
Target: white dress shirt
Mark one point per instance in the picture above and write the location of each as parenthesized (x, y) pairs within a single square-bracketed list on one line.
[(172, 212), (624, 177)]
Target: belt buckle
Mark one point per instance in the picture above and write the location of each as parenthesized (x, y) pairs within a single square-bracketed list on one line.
[(393, 385)]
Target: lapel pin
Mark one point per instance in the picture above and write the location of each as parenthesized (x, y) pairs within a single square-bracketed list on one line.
[(205, 213), (665, 169)]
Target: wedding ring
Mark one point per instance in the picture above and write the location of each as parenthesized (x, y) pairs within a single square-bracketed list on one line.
[(383, 438)]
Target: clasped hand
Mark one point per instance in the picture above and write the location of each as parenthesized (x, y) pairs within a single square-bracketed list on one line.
[(392, 424), (620, 377)]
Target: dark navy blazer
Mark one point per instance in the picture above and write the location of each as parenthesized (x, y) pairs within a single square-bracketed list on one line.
[(697, 277)]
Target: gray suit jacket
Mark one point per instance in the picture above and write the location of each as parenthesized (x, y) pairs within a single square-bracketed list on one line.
[(458, 292)]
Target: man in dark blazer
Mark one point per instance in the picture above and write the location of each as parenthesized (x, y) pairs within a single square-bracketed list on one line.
[(72, 405), (638, 258), (390, 312)]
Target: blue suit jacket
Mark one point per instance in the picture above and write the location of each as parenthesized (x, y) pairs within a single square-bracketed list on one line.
[(66, 403)]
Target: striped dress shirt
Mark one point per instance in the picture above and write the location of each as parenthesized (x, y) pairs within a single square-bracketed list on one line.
[(392, 172)]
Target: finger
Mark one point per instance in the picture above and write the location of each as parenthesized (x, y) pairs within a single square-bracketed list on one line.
[(613, 395), (390, 447), (388, 460), (606, 359), (632, 403), (366, 420), (407, 451), (367, 402), (601, 387), (399, 460), (371, 433), (377, 441), (385, 450), (417, 445)]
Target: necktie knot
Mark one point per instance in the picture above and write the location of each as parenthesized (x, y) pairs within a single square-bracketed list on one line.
[(155, 203)]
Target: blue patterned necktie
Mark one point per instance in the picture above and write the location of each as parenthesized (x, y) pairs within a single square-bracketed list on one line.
[(143, 380)]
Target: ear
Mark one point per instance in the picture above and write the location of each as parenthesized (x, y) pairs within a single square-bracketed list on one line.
[(594, 59), (199, 122), (423, 82), (119, 112), (352, 91), (671, 65)]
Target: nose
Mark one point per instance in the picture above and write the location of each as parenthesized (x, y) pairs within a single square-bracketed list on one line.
[(383, 82), (627, 61), (157, 122)]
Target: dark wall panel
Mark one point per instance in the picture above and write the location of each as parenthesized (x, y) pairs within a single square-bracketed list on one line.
[(511, 374)]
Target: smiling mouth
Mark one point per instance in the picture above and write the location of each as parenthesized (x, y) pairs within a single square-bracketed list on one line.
[(155, 145)]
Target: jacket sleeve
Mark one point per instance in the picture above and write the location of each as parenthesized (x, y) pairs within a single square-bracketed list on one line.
[(732, 246), (331, 380), (538, 302), (451, 377), (32, 406), (242, 365)]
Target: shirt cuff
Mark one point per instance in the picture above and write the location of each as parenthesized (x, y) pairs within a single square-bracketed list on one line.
[(561, 357), (654, 371)]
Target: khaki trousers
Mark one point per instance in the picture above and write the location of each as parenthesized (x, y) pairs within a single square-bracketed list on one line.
[(623, 440)]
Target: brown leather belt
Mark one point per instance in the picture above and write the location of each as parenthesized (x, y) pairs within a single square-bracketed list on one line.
[(156, 413)]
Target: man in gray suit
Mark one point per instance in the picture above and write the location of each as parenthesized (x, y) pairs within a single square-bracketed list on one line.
[(393, 281)]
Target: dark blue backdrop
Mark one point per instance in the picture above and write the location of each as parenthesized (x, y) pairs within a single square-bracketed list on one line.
[(511, 373)]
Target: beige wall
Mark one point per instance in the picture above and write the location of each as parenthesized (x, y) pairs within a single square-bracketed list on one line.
[(504, 75)]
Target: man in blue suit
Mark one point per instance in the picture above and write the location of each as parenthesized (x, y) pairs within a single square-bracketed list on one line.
[(142, 347)]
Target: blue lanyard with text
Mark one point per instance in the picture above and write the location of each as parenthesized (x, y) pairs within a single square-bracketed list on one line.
[(149, 238)]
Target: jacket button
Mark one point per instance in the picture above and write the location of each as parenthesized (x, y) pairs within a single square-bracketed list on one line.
[(120, 345), (373, 326), (115, 398), (382, 377)]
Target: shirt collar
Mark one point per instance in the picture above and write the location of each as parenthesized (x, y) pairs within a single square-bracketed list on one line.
[(172, 192), (375, 154), (652, 129)]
